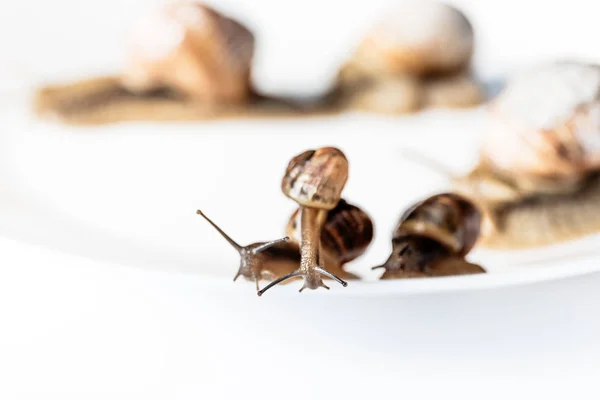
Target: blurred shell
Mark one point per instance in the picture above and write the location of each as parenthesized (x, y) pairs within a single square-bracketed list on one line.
[(345, 235), (546, 123), (421, 37), (447, 218), (193, 49), (316, 178)]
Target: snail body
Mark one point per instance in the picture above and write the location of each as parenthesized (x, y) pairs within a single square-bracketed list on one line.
[(345, 235), (537, 178), (542, 219), (433, 237)]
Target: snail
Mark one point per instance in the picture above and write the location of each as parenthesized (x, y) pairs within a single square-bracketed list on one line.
[(345, 236), (538, 175), (418, 56), (262, 260), (185, 61), (315, 180), (433, 237)]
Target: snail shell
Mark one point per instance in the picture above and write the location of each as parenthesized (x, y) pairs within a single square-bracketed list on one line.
[(419, 38), (316, 178), (546, 124), (447, 218), (433, 237), (417, 56), (345, 235), (193, 49)]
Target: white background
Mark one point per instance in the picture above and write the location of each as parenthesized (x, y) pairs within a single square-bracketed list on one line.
[(75, 328)]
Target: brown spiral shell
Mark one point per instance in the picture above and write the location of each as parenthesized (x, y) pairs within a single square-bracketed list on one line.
[(446, 218), (346, 233), (418, 38), (191, 48), (316, 178), (545, 125)]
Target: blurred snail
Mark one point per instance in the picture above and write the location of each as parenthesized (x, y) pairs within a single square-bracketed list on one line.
[(433, 237), (315, 180), (538, 175), (185, 61), (345, 236), (417, 56), (262, 260), (537, 181)]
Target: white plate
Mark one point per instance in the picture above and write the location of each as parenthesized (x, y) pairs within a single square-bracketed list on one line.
[(127, 194)]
